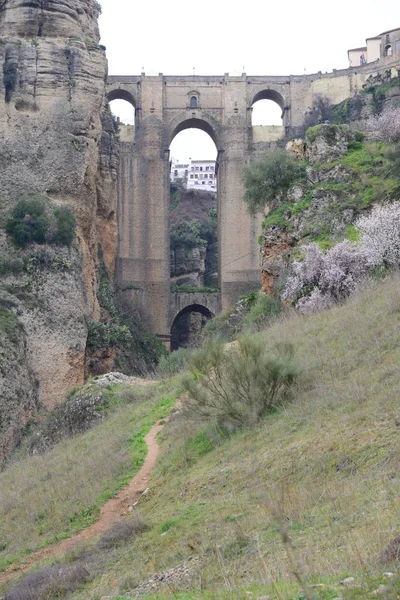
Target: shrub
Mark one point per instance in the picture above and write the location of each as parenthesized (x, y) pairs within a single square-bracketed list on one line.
[(48, 583), (323, 278), (75, 415), (379, 235), (28, 223), (263, 309), (65, 227), (235, 387), (320, 112), (174, 363), (385, 126), (122, 532), (268, 177), (31, 222), (187, 235)]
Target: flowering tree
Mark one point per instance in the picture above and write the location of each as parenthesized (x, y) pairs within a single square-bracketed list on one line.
[(379, 235), (385, 126), (323, 278)]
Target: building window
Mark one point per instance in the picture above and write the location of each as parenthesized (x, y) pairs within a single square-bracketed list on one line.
[(205, 176), (201, 168), (196, 176), (388, 50), (203, 182), (193, 102), (191, 177), (192, 168)]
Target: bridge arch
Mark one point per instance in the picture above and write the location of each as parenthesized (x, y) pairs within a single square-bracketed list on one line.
[(180, 334), (206, 124), (121, 94), (268, 94)]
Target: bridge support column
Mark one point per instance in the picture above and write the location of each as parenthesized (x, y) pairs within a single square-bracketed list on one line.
[(143, 221), (239, 259)]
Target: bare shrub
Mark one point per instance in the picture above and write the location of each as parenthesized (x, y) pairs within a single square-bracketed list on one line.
[(385, 126), (48, 583), (235, 387), (76, 415), (380, 235), (122, 532), (323, 278), (391, 554)]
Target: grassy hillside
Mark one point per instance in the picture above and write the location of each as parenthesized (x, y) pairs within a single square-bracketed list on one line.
[(308, 497)]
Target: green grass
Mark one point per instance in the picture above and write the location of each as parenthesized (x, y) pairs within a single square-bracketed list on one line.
[(50, 497), (325, 468)]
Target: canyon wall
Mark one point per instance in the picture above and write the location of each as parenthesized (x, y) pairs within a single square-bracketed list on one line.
[(56, 144)]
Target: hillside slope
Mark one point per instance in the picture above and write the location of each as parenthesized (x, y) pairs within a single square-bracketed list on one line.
[(313, 489)]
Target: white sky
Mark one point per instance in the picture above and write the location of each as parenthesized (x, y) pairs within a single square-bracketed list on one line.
[(213, 37)]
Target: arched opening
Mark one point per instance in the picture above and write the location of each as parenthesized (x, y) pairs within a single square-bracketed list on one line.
[(188, 325), (267, 116), (193, 102), (122, 107), (388, 50), (193, 207)]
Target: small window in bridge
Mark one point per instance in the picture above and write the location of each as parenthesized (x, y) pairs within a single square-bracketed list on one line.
[(193, 102)]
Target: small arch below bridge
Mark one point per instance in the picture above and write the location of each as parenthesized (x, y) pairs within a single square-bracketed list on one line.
[(188, 325), (190, 312)]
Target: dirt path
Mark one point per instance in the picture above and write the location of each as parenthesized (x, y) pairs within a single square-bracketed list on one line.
[(112, 511)]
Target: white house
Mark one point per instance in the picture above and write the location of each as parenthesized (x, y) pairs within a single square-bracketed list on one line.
[(202, 175)]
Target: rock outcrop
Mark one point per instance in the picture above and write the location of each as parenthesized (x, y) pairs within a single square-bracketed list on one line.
[(56, 142)]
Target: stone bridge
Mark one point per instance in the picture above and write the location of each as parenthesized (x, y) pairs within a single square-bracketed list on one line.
[(221, 106)]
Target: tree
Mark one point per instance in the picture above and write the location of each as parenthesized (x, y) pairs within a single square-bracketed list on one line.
[(268, 177), (323, 278), (379, 234)]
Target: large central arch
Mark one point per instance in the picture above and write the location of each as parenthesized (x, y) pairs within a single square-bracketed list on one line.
[(181, 123)]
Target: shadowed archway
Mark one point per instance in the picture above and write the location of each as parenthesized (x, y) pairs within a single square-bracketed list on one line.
[(188, 325)]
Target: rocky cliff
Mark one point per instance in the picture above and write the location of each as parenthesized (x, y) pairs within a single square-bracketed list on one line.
[(57, 144), (345, 174)]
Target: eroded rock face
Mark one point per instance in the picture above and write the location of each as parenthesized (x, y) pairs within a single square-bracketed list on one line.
[(326, 143), (188, 266), (57, 142)]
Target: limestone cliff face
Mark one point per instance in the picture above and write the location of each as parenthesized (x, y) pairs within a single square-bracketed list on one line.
[(56, 141), (340, 183)]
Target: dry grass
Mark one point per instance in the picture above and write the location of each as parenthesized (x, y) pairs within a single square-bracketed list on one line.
[(48, 497), (323, 472)]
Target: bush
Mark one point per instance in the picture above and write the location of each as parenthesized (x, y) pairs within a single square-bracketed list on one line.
[(323, 278), (48, 583), (268, 177), (174, 363), (385, 126), (65, 227), (234, 387), (121, 532), (320, 112), (262, 311), (379, 235), (75, 415), (30, 222), (187, 235)]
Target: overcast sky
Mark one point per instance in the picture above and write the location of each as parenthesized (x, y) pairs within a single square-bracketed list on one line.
[(213, 37)]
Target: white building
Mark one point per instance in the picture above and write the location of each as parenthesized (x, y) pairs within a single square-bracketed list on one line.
[(179, 171), (385, 46), (202, 175)]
